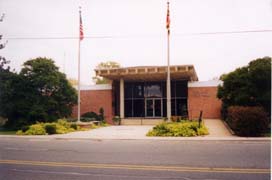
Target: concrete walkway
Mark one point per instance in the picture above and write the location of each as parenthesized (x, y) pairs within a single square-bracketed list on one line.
[(217, 128), (111, 132)]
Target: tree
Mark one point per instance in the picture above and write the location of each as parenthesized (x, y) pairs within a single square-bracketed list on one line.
[(105, 65), (39, 93), (73, 82), (248, 86)]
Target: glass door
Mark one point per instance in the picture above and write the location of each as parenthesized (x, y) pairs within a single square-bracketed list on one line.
[(153, 107)]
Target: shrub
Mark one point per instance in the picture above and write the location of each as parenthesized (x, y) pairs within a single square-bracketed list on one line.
[(25, 128), (86, 119), (36, 129), (19, 132), (50, 128), (248, 121), (59, 127), (74, 126), (116, 120), (90, 115), (183, 128), (101, 116), (71, 119)]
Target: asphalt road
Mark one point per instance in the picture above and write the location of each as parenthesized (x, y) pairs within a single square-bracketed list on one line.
[(42, 159)]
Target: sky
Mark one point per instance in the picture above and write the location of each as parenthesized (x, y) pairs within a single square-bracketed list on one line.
[(133, 33)]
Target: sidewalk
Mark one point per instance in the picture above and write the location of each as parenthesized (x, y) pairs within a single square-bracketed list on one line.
[(217, 128), (139, 132)]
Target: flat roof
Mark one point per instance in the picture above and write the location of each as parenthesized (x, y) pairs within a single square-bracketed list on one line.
[(149, 73)]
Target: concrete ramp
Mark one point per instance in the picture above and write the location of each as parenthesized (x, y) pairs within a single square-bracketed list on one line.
[(217, 128)]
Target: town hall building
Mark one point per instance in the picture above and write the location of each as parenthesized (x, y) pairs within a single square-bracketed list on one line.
[(138, 94)]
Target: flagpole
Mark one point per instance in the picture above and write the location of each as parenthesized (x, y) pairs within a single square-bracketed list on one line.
[(78, 74), (168, 66)]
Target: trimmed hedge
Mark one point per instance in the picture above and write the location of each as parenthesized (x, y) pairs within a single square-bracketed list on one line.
[(59, 127), (183, 128), (248, 121), (50, 128), (90, 115)]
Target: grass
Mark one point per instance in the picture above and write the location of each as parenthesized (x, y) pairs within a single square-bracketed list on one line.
[(7, 132)]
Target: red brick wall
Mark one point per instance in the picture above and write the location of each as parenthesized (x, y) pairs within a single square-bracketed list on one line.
[(203, 98), (93, 100)]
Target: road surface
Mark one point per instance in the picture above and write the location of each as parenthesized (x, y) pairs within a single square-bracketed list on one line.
[(43, 159)]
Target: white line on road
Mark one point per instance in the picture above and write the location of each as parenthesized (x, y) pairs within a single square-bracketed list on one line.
[(104, 175), (23, 149)]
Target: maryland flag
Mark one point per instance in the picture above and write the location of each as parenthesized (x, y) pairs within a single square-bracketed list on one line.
[(168, 18)]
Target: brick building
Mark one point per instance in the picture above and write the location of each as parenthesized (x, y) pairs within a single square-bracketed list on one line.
[(138, 94)]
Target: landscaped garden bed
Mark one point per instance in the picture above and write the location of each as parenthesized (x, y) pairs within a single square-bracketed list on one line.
[(182, 128), (59, 127)]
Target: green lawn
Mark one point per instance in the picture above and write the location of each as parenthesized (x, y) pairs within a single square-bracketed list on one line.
[(4, 131), (7, 132)]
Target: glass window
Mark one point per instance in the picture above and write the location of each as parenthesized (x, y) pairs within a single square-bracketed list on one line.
[(138, 108), (128, 90), (163, 88), (181, 89), (153, 90), (164, 108), (173, 107), (128, 108), (138, 90), (181, 107), (173, 89)]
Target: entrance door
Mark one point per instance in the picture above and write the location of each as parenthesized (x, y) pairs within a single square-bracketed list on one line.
[(153, 107)]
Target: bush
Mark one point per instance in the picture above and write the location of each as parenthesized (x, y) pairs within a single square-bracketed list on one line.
[(36, 129), (71, 120), (248, 121), (183, 128), (59, 127), (50, 128), (74, 126), (87, 119), (116, 120), (90, 115), (101, 116)]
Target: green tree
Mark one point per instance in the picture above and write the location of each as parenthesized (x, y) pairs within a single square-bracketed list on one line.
[(247, 86), (105, 65), (39, 93)]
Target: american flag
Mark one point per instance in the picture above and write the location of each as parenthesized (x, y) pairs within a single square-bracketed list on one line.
[(168, 18), (81, 35)]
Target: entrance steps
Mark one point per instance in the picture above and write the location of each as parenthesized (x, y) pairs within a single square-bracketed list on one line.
[(141, 121)]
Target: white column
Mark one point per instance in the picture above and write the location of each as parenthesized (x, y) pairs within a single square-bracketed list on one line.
[(122, 100)]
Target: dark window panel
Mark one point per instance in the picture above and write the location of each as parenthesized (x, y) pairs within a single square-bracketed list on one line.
[(163, 89), (128, 90), (138, 90), (173, 89), (138, 108), (128, 108), (173, 107), (181, 89), (164, 107)]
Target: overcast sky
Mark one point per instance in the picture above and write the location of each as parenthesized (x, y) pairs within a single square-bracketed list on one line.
[(133, 33)]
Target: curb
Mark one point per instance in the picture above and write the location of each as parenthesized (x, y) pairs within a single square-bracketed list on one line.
[(227, 126), (257, 139)]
